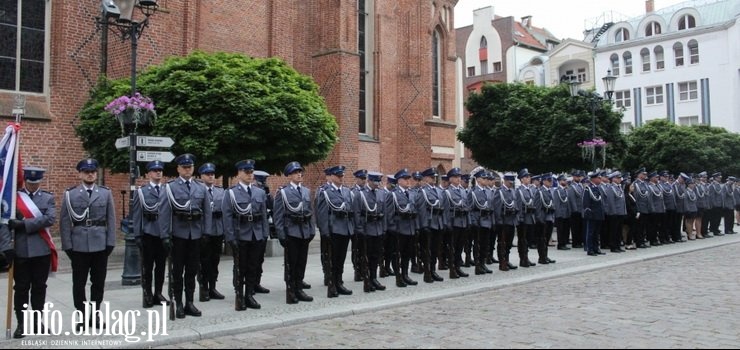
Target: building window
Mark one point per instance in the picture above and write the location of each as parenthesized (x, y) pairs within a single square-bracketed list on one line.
[(687, 91), (693, 51), (484, 67), (362, 51), (686, 22), (678, 53), (653, 28), (483, 42), (615, 63), (437, 74), (627, 56), (471, 71), (582, 77), (645, 54), (689, 120), (625, 128), (496, 66), (659, 58), (623, 99), (622, 34), (654, 95), (23, 49)]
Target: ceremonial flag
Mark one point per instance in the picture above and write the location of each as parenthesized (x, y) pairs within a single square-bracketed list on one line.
[(12, 172)]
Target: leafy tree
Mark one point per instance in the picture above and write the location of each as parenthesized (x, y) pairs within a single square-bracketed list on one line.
[(221, 107), (662, 145), (512, 126)]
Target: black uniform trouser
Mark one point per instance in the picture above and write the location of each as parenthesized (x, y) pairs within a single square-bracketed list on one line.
[(576, 229), (675, 225), (210, 255), (493, 233), (261, 254), (297, 257), (651, 222), (404, 250), (729, 219), (96, 266), (505, 240), (185, 257), (563, 227), (593, 227), (704, 214), (461, 238), (389, 249), (339, 244), (715, 218), (154, 258), (643, 228), (543, 239), (249, 263), (667, 226), (522, 246), (430, 241), (369, 247), (480, 236), (30, 276), (615, 230)]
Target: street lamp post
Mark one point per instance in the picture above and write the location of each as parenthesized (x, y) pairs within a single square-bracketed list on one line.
[(118, 14), (594, 100)]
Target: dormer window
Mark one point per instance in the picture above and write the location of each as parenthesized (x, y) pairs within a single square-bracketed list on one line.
[(653, 28), (622, 34), (686, 22)]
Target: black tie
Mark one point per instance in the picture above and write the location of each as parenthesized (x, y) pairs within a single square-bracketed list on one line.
[(210, 191), (156, 187), (298, 188), (89, 193), (30, 195), (249, 190), (406, 193), (187, 183)]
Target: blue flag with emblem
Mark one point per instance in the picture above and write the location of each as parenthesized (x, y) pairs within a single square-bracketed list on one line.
[(9, 162)]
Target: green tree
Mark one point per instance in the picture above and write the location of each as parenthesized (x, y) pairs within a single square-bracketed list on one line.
[(512, 126), (221, 107), (662, 145)]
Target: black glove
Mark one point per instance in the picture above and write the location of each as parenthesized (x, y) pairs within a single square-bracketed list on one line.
[(69, 253), (108, 250), (18, 225), (167, 245), (282, 242), (9, 256)]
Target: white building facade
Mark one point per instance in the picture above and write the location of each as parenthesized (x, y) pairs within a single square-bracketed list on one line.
[(680, 63)]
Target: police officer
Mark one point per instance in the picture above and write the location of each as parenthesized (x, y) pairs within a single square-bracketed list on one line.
[(643, 204), (494, 183), (736, 197), (370, 225), (88, 230), (185, 215), (457, 212), (562, 212), (656, 231), (260, 180), (716, 194), (526, 216), (244, 206), (575, 197), (148, 235), (545, 217), (509, 209), (481, 219), (728, 205), (416, 263), (389, 244), (334, 218), (295, 230), (431, 205), (593, 213), (402, 222), (704, 206), (671, 225), (617, 205), (211, 243), (360, 185), (35, 253)]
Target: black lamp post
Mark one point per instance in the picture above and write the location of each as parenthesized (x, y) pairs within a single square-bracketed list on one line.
[(118, 15), (594, 100)]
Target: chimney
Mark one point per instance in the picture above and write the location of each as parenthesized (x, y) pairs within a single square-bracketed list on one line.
[(649, 6), (527, 21)]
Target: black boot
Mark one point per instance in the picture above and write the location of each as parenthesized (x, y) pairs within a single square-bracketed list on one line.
[(367, 285), (214, 294), (460, 272), (147, 300), (400, 282), (190, 308), (408, 279), (377, 284), (249, 299), (204, 295), (179, 309), (358, 275), (159, 298), (437, 277), (18, 334), (290, 295), (341, 289), (261, 290), (302, 296)]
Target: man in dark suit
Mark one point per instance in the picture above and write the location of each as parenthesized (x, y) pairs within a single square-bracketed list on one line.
[(593, 213), (211, 244), (185, 215), (88, 230)]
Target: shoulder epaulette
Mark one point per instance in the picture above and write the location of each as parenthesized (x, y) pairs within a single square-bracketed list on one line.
[(217, 186), (198, 181), (171, 181), (44, 191), (105, 187), (71, 188)]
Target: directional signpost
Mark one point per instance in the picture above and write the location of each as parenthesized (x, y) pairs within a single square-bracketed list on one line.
[(148, 156), (146, 141)]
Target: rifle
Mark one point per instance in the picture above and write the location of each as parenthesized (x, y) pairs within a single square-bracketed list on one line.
[(326, 246), (237, 280), (290, 297), (146, 297), (170, 287), (364, 266)]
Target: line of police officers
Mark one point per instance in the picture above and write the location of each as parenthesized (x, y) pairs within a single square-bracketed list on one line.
[(411, 221)]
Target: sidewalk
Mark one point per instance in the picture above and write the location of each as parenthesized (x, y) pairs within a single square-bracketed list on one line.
[(219, 317)]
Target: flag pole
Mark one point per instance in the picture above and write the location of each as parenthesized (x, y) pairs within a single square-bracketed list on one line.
[(18, 111)]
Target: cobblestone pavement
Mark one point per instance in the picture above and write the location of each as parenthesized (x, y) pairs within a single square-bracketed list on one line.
[(689, 300)]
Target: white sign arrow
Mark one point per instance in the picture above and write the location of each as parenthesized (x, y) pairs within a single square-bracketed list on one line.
[(148, 156), (154, 141), (122, 142)]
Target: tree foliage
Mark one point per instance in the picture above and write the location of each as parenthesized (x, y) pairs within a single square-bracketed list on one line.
[(512, 126), (222, 108), (661, 145)]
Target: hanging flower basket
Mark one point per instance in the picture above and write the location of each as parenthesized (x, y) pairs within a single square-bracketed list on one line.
[(588, 150), (132, 111)]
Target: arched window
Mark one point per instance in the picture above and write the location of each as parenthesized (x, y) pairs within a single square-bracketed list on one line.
[(627, 56), (645, 55), (365, 35), (678, 53), (686, 22), (23, 29), (483, 42), (436, 73), (615, 63), (653, 28), (659, 57), (693, 51), (622, 35)]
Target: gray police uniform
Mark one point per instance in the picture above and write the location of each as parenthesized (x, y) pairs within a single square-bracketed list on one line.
[(370, 225), (562, 215), (575, 197), (458, 213), (185, 214), (334, 217), (295, 229), (643, 204), (211, 246), (510, 218), (728, 207), (657, 231), (245, 222), (671, 220), (481, 219), (402, 221), (431, 205), (146, 228), (593, 215), (545, 217), (88, 230)]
